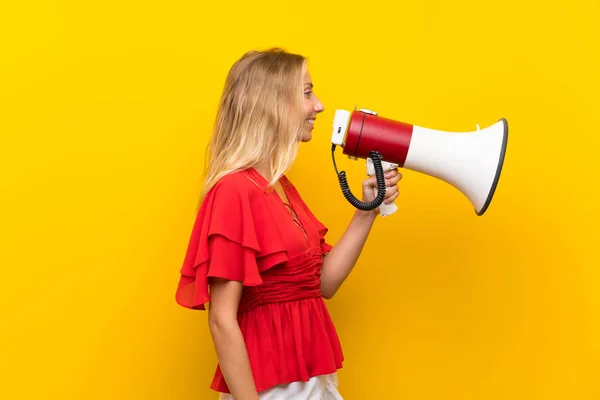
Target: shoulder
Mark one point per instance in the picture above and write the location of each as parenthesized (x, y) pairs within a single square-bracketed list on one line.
[(237, 183), (234, 194)]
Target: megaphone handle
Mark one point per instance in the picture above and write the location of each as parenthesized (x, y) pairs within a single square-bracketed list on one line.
[(384, 209)]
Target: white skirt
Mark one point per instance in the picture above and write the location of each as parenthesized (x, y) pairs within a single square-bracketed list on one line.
[(323, 387)]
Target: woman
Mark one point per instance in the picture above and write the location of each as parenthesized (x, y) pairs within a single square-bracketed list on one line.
[(259, 249)]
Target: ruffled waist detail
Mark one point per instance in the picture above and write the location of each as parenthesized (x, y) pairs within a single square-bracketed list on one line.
[(287, 341), (297, 280)]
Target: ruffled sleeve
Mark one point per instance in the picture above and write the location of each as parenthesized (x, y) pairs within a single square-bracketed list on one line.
[(230, 239), (325, 246)]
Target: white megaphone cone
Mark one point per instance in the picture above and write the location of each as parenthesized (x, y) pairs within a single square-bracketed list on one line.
[(469, 161)]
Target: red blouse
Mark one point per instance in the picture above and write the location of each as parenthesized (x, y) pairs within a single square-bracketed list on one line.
[(245, 232)]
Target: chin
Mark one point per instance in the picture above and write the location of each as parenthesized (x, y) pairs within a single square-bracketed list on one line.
[(306, 137)]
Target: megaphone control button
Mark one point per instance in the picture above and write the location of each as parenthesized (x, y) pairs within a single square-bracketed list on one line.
[(367, 111)]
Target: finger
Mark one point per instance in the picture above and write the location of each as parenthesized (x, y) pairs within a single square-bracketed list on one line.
[(395, 179), (392, 172), (391, 178), (390, 191), (391, 199), (371, 182)]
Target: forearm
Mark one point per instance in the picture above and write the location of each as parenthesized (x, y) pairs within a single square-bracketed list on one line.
[(233, 359), (341, 259)]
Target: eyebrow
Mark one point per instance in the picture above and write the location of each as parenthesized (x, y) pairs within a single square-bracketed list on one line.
[(309, 84)]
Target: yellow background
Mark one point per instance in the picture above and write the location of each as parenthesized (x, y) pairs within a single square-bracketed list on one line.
[(106, 108)]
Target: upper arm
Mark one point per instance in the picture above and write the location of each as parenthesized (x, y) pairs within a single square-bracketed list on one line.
[(224, 299)]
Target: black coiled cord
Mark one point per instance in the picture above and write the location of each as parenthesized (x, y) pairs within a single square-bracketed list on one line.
[(376, 157)]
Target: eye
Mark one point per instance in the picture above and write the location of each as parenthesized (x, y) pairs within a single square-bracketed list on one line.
[(308, 93)]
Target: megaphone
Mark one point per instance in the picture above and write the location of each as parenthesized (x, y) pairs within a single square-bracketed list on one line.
[(470, 161)]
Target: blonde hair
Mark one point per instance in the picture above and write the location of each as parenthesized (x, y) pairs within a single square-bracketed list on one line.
[(260, 116)]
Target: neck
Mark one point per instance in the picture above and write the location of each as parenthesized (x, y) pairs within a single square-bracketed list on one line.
[(263, 169)]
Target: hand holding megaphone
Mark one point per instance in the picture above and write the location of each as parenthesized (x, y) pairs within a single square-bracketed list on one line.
[(384, 209)]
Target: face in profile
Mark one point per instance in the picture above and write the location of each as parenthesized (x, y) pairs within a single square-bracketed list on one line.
[(312, 107)]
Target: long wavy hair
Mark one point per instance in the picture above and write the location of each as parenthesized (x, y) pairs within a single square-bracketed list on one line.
[(260, 116)]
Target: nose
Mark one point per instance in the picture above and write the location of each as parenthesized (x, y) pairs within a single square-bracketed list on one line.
[(318, 106)]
